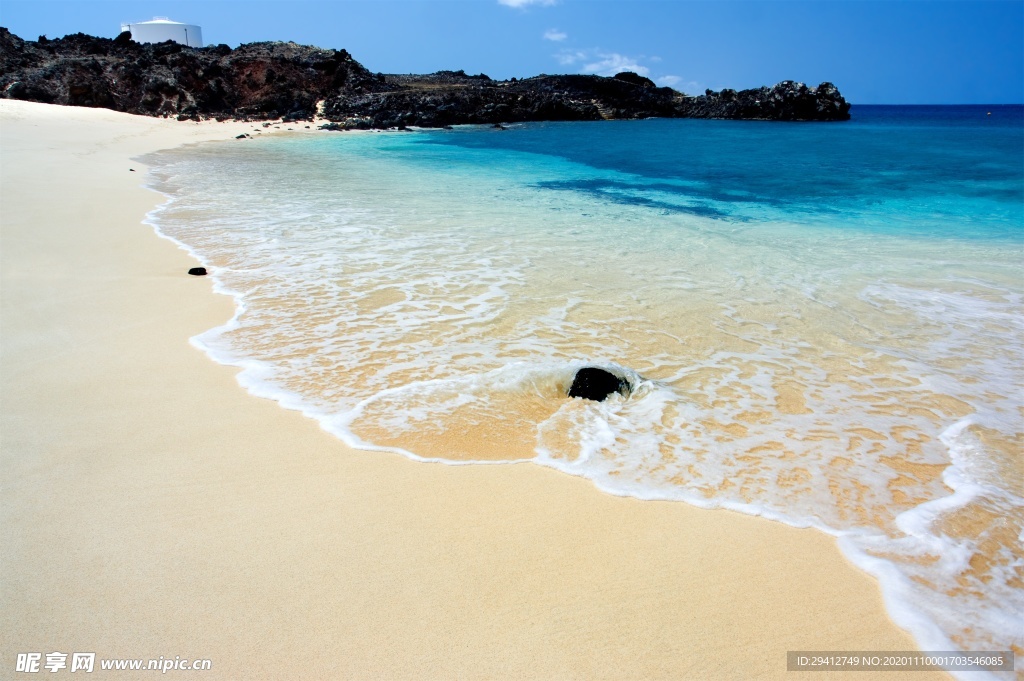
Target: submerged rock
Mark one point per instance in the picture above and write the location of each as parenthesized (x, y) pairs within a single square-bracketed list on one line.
[(594, 383)]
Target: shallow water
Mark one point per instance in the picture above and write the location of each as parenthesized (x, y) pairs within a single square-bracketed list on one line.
[(821, 323)]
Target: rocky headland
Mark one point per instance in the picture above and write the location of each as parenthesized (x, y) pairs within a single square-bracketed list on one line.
[(268, 81)]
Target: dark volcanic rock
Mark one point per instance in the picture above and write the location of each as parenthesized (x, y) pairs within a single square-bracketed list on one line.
[(594, 383), (786, 101), (256, 81), (198, 271), (263, 81), (635, 79), (449, 98)]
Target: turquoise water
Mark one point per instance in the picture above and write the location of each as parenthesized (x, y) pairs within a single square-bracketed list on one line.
[(931, 171), (821, 323)]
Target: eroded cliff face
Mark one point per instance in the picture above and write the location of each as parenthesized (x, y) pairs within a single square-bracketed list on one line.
[(258, 81), (262, 81)]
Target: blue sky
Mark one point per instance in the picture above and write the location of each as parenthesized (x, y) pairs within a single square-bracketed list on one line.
[(876, 51)]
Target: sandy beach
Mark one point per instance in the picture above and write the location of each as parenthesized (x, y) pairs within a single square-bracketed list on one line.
[(151, 507)]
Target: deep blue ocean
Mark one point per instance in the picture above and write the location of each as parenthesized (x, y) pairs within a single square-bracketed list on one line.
[(821, 323)]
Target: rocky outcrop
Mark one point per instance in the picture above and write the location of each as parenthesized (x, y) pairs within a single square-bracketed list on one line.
[(256, 81), (443, 99), (787, 101), (262, 81)]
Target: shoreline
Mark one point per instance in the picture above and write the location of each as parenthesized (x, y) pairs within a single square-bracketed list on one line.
[(155, 508)]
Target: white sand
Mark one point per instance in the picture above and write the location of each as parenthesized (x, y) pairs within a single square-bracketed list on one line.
[(150, 507)]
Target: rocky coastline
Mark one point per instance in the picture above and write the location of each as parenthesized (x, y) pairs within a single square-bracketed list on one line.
[(276, 80)]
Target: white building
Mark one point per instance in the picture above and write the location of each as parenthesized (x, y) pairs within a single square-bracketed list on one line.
[(161, 28)]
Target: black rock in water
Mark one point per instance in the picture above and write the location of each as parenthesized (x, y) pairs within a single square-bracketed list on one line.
[(593, 383), (198, 271)]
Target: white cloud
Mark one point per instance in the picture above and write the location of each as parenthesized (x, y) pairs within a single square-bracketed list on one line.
[(601, 63), (526, 3), (555, 34), (610, 63), (569, 58), (677, 83)]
